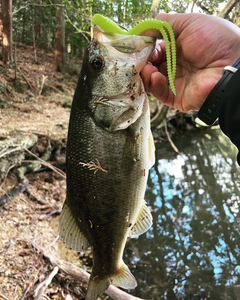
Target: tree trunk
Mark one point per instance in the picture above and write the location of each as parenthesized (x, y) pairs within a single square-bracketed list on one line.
[(155, 7), (1, 25), (227, 9), (236, 14), (60, 39), (7, 30)]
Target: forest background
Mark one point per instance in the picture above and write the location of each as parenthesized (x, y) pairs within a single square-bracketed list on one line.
[(66, 25), (64, 28)]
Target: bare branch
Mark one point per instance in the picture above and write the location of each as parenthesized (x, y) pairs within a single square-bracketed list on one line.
[(38, 5), (84, 33), (170, 140), (50, 166), (41, 288)]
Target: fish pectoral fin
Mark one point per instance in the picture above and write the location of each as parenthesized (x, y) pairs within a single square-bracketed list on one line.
[(143, 222), (69, 231), (124, 278)]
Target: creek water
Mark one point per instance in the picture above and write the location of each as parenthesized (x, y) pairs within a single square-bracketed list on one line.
[(192, 250)]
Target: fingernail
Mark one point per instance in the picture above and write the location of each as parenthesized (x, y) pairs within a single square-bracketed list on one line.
[(158, 48), (153, 55)]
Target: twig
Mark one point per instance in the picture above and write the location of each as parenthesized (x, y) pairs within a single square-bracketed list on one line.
[(34, 44), (20, 173), (94, 166), (12, 193), (29, 84), (4, 297), (81, 275), (170, 140), (5, 175), (44, 78), (158, 105), (43, 285), (50, 166), (34, 198), (54, 242), (160, 116), (9, 151), (29, 286), (37, 5), (15, 62), (77, 29)]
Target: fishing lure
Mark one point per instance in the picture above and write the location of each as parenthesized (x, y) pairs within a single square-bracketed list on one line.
[(165, 29)]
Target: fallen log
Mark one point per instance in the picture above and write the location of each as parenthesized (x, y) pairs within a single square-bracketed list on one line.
[(13, 153), (12, 149), (20, 188)]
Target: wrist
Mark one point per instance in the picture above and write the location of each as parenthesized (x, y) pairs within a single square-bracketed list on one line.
[(209, 111)]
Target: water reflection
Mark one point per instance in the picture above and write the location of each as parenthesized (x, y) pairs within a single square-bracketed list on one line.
[(192, 250)]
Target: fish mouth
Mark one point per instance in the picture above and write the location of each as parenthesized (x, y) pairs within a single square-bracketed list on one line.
[(126, 47), (119, 99)]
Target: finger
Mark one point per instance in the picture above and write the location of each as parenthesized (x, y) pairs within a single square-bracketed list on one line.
[(159, 54), (146, 76), (152, 32), (156, 84)]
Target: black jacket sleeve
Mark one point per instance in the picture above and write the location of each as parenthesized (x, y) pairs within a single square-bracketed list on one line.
[(229, 117)]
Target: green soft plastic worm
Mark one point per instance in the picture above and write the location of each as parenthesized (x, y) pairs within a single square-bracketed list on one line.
[(109, 26)]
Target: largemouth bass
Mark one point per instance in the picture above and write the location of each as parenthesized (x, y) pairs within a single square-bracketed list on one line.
[(109, 152)]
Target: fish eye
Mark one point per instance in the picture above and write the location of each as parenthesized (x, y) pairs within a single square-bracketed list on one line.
[(97, 61)]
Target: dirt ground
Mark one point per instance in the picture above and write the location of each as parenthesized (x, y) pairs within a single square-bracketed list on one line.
[(37, 101)]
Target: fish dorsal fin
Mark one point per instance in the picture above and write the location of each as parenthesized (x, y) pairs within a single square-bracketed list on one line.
[(143, 222), (124, 278), (69, 232), (151, 150)]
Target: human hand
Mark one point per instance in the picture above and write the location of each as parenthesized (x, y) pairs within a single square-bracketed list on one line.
[(205, 45)]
